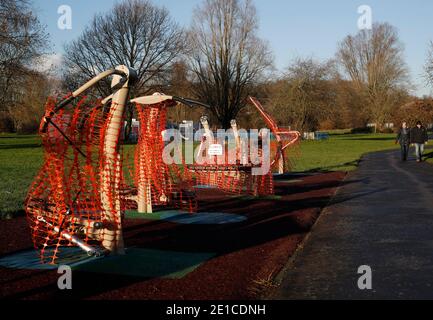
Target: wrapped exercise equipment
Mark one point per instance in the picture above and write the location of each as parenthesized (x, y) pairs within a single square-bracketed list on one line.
[(76, 198)]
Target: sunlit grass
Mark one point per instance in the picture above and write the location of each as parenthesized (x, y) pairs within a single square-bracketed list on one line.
[(341, 152), (20, 159)]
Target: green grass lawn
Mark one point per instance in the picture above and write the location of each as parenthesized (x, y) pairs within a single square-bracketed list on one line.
[(21, 158), (341, 152)]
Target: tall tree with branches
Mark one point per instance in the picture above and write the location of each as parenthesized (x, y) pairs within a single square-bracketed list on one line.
[(23, 40), (135, 33), (304, 96), (227, 57), (373, 60)]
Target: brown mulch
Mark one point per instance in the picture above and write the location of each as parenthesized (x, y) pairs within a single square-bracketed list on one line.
[(248, 254)]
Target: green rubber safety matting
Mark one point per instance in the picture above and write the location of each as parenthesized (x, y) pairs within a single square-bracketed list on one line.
[(137, 262), (30, 259), (204, 186), (181, 217), (288, 181)]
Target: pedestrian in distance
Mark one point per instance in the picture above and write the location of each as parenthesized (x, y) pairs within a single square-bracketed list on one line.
[(403, 138), (419, 138)]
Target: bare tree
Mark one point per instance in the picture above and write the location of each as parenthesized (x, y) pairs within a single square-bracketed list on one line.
[(22, 41), (135, 33), (429, 65), (27, 114), (227, 56), (304, 97), (179, 84), (350, 110), (373, 60)]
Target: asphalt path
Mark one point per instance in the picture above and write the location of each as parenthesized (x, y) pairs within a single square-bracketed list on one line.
[(382, 218)]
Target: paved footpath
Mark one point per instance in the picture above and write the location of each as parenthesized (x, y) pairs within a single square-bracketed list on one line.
[(381, 217)]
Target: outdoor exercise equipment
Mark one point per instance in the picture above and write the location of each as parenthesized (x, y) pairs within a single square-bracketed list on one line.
[(157, 182), (238, 177), (80, 195), (76, 199), (284, 139), (230, 170)]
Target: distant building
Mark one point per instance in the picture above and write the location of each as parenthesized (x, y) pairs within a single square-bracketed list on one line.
[(388, 125)]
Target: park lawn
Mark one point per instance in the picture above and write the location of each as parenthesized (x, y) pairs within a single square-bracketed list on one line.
[(21, 157), (341, 152)]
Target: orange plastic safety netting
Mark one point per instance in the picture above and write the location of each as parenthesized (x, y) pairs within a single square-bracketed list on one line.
[(233, 178), (64, 205), (158, 183), (286, 147), (82, 191), (240, 178), (80, 194)]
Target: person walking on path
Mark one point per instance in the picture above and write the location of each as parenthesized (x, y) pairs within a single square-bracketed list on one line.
[(403, 138), (419, 137)]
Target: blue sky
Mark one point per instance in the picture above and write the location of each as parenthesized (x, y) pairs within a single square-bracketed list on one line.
[(292, 28)]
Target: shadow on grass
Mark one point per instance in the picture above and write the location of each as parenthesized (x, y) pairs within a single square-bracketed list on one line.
[(369, 139), (428, 155), (293, 189), (12, 214), (18, 137), (334, 168), (20, 146)]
